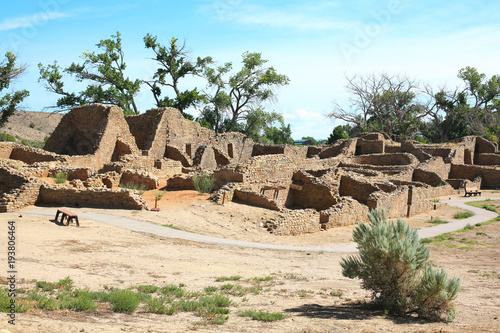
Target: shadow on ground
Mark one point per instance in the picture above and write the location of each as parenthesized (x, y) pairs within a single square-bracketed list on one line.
[(348, 312)]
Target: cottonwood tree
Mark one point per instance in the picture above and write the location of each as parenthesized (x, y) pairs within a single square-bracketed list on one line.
[(472, 109), (174, 66), (383, 103), (233, 98), (9, 71), (105, 74)]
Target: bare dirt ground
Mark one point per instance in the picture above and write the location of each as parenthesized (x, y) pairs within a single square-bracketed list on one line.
[(97, 255)]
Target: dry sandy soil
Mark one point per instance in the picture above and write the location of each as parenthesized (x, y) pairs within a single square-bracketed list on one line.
[(96, 255), (32, 126)]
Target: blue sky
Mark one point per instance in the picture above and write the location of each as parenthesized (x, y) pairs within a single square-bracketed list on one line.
[(315, 43)]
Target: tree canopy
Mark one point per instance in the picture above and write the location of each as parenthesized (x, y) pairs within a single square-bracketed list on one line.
[(235, 101), (105, 73), (174, 66), (405, 109), (9, 71)]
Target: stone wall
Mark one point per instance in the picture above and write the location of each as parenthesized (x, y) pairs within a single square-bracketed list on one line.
[(307, 191), (346, 212), (383, 159), (484, 146), (52, 195), (96, 132), (6, 149), (488, 159), (345, 148), (256, 199), (370, 146), (435, 165), (490, 175), (295, 222), (139, 178), (395, 203), (357, 188)]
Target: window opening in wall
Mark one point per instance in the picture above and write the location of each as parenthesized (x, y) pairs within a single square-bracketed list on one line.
[(230, 150), (188, 149)]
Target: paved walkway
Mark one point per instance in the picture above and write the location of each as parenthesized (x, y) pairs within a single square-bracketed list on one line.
[(481, 215)]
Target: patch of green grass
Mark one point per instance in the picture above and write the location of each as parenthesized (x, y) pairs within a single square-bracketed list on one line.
[(210, 289), (124, 301), (61, 177), (435, 200), (172, 291), (337, 293), (77, 302), (159, 306), (437, 220), (148, 289), (133, 186), (262, 279), (4, 137), (228, 278), (161, 194), (262, 315), (171, 226), (466, 228), (463, 215)]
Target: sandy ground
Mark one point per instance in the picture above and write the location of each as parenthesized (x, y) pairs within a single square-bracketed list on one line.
[(97, 255)]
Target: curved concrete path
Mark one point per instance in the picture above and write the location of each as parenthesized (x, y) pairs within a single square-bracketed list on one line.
[(481, 215)]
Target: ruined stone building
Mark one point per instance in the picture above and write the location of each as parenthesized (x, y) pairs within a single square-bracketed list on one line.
[(313, 188)]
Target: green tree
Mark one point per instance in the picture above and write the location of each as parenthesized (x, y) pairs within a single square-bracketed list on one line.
[(232, 100), (394, 265), (10, 101), (105, 73), (338, 133), (174, 66), (282, 135), (311, 139)]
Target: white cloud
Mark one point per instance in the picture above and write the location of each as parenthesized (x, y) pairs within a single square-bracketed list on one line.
[(30, 20), (304, 18)]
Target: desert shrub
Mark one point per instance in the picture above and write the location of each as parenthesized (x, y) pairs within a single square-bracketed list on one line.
[(34, 144), (124, 301), (262, 315), (463, 215), (394, 265), (203, 183), (7, 137), (61, 177)]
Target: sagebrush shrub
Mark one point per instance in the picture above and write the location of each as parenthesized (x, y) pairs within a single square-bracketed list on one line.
[(203, 183), (394, 265)]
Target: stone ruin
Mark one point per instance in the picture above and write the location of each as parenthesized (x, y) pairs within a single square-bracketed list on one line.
[(312, 188)]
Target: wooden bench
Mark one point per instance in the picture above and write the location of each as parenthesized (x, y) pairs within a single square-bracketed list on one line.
[(471, 191), (68, 215)]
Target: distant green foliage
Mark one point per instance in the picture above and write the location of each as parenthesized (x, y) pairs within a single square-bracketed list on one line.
[(338, 133), (203, 183), (394, 265)]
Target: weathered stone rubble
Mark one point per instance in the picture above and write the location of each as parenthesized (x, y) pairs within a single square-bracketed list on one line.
[(313, 188)]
